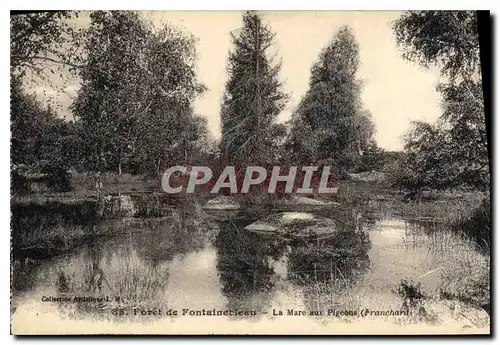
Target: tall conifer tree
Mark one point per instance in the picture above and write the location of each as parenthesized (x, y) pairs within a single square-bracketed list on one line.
[(330, 122), (253, 96)]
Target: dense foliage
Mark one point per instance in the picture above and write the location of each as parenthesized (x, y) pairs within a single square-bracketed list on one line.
[(134, 109), (136, 98), (253, 97), (36, 40), (38, 136), (330, 122), (453, 152)]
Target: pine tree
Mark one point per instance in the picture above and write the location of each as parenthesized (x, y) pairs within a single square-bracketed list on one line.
[(253, 96), (330, 122)]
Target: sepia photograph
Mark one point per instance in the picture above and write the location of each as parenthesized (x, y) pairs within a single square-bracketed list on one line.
[(250, 173)]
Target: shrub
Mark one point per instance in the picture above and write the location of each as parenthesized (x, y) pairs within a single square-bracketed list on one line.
[(477, 225)]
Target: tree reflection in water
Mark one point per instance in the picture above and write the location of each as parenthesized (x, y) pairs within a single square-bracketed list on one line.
[(135, 266), (320, 268), (246, 274), (326, 270)]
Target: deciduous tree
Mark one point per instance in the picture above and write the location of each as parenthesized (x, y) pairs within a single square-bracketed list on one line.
[(137, 92), (458, 155)]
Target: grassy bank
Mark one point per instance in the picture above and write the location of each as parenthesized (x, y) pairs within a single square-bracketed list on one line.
[(464, 270), (112, 183), (450, 279), (47, 241), (457, 226), (457, 231)]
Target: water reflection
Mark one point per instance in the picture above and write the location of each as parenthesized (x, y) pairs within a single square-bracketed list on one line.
[(131, 269), (245, 272), (344, 256), (189, 260), (254, 268), (327, 270)]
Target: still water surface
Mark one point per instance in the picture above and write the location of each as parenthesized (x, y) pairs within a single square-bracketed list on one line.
[(193, 260)]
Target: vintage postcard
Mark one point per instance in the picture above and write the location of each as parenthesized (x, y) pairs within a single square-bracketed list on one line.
[(249, 172)]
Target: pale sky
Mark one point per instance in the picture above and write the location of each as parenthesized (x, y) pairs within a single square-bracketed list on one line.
[(394, 90)]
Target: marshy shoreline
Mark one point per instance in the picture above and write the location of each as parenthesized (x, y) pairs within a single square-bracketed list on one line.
[(46, 227)]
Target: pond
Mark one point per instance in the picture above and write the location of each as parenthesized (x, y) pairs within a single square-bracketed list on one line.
[(194, 264)]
